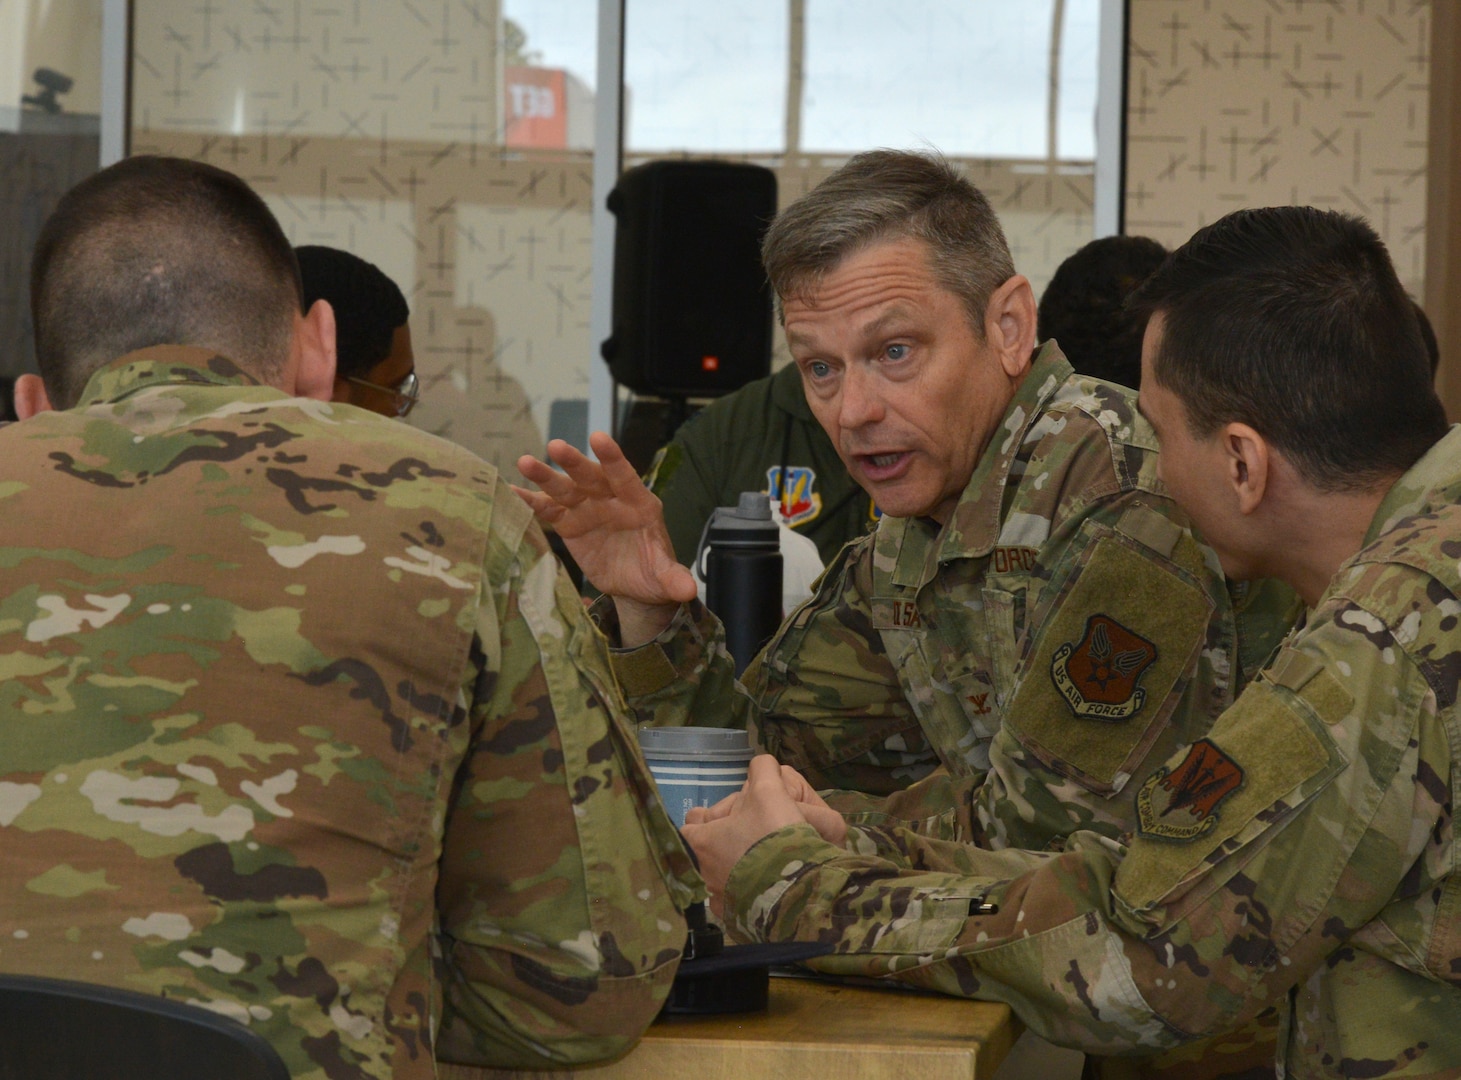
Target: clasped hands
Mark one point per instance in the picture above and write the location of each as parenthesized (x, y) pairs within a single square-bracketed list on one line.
[(774, 797)]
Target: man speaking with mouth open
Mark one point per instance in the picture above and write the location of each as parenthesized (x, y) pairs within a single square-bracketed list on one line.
[(1032, 629)]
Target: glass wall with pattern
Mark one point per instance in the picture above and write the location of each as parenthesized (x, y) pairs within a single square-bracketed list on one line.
[(450, 142), (50, 104)]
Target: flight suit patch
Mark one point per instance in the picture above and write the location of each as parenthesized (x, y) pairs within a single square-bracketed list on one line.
[(795, 493), (1098, 676), (1181, 803)]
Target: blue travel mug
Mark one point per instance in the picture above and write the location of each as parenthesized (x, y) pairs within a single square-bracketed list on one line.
[(695, 766)]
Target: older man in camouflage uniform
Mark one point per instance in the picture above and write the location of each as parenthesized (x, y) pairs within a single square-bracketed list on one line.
[(300, 720), (1024, 532), (1303, 852), (1034, 618)]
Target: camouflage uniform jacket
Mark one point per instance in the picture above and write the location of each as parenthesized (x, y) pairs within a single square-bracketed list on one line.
[(1303, 853), (300, 721), (1061, 635), (744, 442)]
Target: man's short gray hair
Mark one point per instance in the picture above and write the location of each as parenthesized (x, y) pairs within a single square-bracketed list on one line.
[(887, 195)]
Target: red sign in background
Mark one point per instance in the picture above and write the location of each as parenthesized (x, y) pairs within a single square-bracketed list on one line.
[(537, 107)]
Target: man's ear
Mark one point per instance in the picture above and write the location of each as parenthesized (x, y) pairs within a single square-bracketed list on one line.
[(31, 397), (314, 347), (1009, 324), (1249, 460)]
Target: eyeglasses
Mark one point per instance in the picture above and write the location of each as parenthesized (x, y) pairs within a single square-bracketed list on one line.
[(406, 392)]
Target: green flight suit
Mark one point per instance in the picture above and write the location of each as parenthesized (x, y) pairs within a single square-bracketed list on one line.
[(747, 441)]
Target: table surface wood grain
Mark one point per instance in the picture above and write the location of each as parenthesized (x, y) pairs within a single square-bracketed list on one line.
[(811, 1031)]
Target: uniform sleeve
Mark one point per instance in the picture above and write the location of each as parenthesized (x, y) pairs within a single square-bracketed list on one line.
[(1027, 797), (562, 879), (1057, 673), (939, 805), (683, 677), (1121, 658), (1078, 682), (1259, 851)]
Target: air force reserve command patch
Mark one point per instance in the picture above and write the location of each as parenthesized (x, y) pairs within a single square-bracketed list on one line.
[(1098, 675), (1181, 803), (1116, 638)]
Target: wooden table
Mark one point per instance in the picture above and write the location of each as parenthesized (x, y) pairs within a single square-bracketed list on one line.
[(812, 1031)]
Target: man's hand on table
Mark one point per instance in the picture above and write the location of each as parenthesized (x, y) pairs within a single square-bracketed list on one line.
[(774, 796), (614, 527)]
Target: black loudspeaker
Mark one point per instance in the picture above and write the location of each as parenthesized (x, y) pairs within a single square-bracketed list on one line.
[(692, 307)]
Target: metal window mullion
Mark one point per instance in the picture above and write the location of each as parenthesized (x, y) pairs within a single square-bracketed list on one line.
[(116, 38), (1110, 175), (608, 163)]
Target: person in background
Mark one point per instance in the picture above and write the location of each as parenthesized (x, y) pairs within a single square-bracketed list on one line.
[(375, 368), (1303, 852), (1428, 335), (301, 721), (762, 437), (1084, 307)]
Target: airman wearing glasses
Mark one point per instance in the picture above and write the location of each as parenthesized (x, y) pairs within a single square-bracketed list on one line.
[(386, 391), (375, 368)]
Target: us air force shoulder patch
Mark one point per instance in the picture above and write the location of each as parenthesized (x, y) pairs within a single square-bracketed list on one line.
[(1098, 676), (1091, 694), (1182, 803)]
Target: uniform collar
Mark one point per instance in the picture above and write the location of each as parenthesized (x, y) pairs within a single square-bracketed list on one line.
[(974, 526), (1432, 481), (162, 365)]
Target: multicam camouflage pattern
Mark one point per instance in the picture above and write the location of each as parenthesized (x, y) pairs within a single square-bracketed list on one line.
[(1326, 885), (740, 443), (947, 654), (929, 648), (301, 722)]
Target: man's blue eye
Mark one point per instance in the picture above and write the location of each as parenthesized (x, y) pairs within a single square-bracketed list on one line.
[(897, 352), (818, 369)]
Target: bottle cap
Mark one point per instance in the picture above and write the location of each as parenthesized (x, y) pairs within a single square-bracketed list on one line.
[(746, 524)]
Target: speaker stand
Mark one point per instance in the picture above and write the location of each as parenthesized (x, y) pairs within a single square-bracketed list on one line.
[(650, 423)]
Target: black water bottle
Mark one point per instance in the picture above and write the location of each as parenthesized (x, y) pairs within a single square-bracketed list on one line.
[(741, 566)]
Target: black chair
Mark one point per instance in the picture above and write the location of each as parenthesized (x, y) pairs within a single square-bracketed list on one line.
[(54, 1029)]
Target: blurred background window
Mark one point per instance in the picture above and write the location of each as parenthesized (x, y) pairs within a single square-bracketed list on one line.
[(452, 144), (50, 138)]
